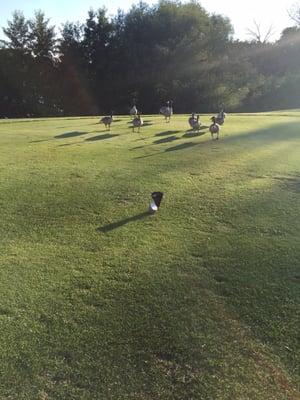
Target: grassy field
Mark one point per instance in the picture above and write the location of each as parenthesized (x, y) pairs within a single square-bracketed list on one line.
[(99, 300)]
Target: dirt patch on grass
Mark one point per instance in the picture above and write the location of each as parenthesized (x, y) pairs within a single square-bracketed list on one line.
[(279, 377)]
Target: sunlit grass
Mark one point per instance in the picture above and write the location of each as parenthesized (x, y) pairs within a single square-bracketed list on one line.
[(100, 300)]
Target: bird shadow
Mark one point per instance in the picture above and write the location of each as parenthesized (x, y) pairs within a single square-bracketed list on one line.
[(181, 146), (139, 147), (202, 127), (165, 140), (101, 137), (67, 144), (122, 222), (191, 133), (39, 141), (166, 133), (70, 134)]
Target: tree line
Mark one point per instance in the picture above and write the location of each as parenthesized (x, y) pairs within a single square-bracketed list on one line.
[(148, 55)]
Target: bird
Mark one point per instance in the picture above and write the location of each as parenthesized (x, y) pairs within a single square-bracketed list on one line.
[(107, 121), (214, 128), (167, 111), (133, 111), (137, 122), (194, 122), (220, 118), (155, 202)]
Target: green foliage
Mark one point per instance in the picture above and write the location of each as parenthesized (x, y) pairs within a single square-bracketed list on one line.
[(150, 54), (42, 36), (17, 32)]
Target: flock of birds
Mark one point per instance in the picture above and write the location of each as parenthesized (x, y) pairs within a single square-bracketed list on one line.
[(214, 128), (167, 112)]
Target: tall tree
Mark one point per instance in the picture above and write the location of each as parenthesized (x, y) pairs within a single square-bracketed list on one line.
[(42, 36), (97, 33), (259, 35), (15, 68), (74, 92), (294, 13), (17, 32), (96, 44), (171, 50)]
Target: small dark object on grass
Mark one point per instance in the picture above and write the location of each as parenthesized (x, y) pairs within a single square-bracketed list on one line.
[(155, 203)]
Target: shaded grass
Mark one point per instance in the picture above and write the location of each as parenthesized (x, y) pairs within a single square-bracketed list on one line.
[(198, 301)]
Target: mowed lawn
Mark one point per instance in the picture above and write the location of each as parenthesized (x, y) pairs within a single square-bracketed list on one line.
[(99, 300)]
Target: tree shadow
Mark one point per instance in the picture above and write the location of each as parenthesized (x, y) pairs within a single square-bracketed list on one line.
[(165, 140), (122, 222), (276, 132), (166, 133), (181, 146), (70, 134), (101, 137)]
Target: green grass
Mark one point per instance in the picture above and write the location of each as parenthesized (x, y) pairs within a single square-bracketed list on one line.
[(100, 301)]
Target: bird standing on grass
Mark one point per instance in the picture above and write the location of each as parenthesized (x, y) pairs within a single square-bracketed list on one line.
[(214, 128), (194, 122), (107, 121), (155, 203), (220, 118), (133, 111), (167, 111), (137, 123)]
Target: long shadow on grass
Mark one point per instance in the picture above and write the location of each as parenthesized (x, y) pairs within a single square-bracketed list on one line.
[(70, 135), (101, 137), (191, 133), (66, 144), (39, 141), (166, 133), (122, 222), (99, 122), (202, 127), (182, 146), (277, 132), (258, 138), (166, 140)]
